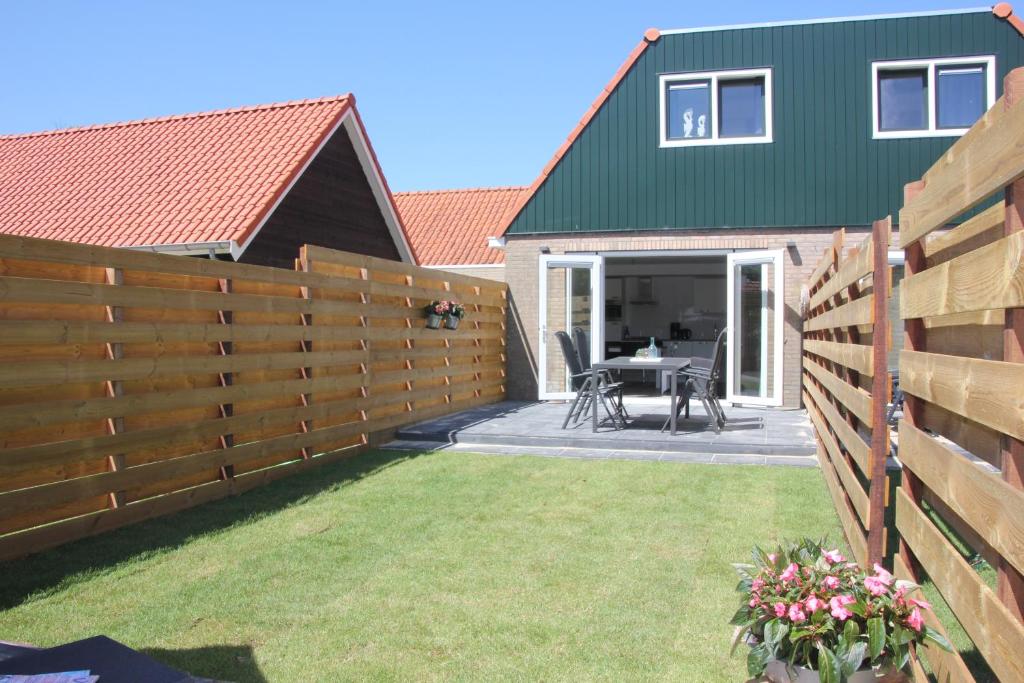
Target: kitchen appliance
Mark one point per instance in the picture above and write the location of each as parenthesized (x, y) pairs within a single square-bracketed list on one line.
[(677, 331)]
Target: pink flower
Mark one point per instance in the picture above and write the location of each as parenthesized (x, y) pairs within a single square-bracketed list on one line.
[(838, 607), (813, 604), (790, 573), (780, 609), (879, 583), (807, 571), (923, 604), (772, 557), (754, 602), (833, 556), (881, 573), (915, 620), (757, 585), (831, 583), (796, 615)]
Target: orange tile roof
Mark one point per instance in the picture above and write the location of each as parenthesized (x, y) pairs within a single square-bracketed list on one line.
[(204, 177), (451, 227)]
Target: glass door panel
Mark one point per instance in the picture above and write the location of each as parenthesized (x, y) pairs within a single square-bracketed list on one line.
[(571, 296), (754, 355)]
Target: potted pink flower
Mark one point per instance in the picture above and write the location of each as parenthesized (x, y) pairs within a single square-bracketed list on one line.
[(456, 312), (435, 311), (811, 616)]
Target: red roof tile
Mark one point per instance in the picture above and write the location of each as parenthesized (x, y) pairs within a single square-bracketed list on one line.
[(451, 227), (204, 177)]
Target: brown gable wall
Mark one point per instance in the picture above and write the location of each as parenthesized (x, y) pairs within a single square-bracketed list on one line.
[(331, 206)]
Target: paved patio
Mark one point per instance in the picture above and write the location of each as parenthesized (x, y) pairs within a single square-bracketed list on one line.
[(752, 435)]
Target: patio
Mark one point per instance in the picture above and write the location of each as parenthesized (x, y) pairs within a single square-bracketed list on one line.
[(751, 436)]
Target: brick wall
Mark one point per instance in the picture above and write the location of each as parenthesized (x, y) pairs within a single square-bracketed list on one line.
[(486, 272), (521, 272)]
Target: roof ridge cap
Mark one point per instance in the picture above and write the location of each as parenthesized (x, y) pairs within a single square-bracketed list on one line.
[(349, 97), (498, 188)]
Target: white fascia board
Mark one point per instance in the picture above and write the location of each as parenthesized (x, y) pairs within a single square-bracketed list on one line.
[(826, 20), (188, 248), (376, 182)]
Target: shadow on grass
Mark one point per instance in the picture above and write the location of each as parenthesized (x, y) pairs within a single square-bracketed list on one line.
[(38, 575), (234, 663)]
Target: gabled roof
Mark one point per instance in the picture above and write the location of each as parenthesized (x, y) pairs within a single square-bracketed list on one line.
[(451, 227), (652, 35), (208, 179)]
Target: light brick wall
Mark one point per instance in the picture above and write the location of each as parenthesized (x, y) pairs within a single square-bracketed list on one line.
[(486, 272), (521, 272)]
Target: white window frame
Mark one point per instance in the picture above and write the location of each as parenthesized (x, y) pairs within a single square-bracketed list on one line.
[(933, 131), (714, 77)]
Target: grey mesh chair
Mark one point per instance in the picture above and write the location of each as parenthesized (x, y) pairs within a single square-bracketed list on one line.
[(610, 396), (582, 344), (701, 379)]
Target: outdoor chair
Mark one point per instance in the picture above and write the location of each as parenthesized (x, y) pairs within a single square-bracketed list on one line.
[(610, 395), (701, 379), (582, 344)]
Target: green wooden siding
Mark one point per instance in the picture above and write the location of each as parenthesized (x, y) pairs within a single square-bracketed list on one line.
[(823, 168)]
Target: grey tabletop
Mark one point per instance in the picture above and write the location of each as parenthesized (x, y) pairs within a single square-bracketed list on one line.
[(628, 363)]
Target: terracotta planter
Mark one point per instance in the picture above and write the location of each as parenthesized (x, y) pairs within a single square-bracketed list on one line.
[(451, 322), (776, 672), (433, 321)]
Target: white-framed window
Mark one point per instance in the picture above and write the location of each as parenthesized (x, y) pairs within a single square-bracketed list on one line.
[(943, 97), (715, 108)]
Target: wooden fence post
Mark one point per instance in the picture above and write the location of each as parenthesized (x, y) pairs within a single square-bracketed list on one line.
[(880, 389), (115, 388), (913, 408), (305, 265), (1010, 582), (226, 379)]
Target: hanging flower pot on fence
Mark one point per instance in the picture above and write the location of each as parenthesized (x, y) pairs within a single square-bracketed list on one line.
[(451, 322), (434, 321), (447, 312)]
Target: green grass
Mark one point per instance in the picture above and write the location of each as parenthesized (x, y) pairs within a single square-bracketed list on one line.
[(439, 566)]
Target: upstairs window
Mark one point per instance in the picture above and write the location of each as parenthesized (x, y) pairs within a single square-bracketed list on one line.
[(716, 108), (932, 97)]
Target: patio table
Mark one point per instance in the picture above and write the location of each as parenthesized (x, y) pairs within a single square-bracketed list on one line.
[(673, 365)]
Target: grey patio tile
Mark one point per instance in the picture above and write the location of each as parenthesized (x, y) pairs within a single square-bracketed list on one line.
[(792, 461), (738, 459)]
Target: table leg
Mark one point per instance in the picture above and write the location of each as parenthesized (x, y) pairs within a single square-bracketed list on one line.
[(675, 399), (594, 398)]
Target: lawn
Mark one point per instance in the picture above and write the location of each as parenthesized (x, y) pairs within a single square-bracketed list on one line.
[(433, 566)]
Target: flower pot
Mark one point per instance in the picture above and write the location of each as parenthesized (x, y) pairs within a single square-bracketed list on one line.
[(451, 322), (433, 321), (776, 672)]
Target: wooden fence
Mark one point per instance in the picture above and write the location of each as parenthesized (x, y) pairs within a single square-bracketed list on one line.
[(846, 382), (961, 440), (135, 384)]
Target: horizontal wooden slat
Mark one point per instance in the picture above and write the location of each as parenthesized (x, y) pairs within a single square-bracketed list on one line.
[(854, 313), (979, 164), (986, 391), (993, 508), (847, 518), (990, 277), (996, 633), (854, 398), (854, 356), (848, 274), (990, 219), (949, 667), (858, 497), (827, 261), (848, 436)]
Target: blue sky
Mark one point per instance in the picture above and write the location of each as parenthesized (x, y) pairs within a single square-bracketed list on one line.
[(453, 94)]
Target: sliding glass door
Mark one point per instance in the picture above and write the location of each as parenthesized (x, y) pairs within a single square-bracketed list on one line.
[(571, 295), (755, 320)]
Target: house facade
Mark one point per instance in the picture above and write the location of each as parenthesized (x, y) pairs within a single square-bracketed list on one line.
[(251, 184), (702, 185)]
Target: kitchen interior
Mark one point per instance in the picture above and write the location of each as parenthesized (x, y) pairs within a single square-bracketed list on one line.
[(678, 300)]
